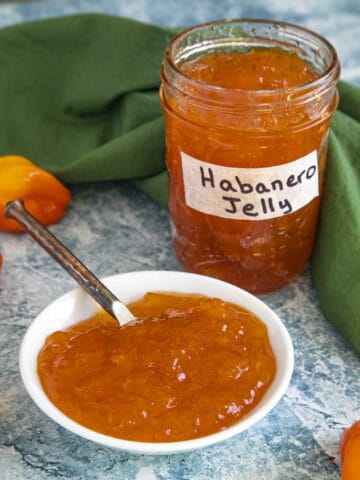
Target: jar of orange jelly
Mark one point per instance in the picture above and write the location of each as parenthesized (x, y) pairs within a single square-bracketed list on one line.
[(247, 105)]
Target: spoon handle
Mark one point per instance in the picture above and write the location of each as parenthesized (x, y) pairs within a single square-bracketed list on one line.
[(89, 282)]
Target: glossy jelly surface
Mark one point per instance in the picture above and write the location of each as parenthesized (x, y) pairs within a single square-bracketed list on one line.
[(190, 366)]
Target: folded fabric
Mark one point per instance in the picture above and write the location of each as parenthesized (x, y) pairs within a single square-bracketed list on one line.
[(79, 97), (335, 261)]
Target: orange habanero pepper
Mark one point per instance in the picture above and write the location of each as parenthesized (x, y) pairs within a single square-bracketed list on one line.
[(350, 452), (43, 195)]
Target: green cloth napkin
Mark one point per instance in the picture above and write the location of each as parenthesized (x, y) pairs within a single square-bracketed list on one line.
[(335, 261), (79, 97)]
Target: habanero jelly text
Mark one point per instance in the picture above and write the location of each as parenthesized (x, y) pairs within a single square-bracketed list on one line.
[(238, 195)]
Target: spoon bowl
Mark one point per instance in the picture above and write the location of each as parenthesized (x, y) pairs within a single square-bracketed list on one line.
[(76, 305)]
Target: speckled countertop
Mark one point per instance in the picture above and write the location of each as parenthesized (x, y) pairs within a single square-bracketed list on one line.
[(114, 229)]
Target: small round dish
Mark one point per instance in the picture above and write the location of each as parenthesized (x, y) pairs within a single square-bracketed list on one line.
[(76, 305)]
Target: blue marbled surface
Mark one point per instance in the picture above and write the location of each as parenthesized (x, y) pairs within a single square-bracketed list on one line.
[(115, 228)]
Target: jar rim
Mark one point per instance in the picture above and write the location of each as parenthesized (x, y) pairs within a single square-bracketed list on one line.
[(332, 72)]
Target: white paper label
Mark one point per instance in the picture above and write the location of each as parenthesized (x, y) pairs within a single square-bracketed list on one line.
[(250, 193)]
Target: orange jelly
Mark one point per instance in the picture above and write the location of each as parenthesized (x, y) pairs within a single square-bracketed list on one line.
[(247, 113), (190, 367)]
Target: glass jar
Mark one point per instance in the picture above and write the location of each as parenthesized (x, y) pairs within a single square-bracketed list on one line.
[(246, 165)]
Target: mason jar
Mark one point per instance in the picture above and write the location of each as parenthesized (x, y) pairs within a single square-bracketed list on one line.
[(248, 105)]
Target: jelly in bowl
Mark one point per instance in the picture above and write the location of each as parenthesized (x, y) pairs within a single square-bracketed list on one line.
[(75, 306)]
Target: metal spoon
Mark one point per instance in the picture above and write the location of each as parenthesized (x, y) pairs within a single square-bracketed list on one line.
[(86, 279)]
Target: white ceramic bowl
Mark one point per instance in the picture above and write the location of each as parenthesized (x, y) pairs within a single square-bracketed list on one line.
[(77, 305)]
